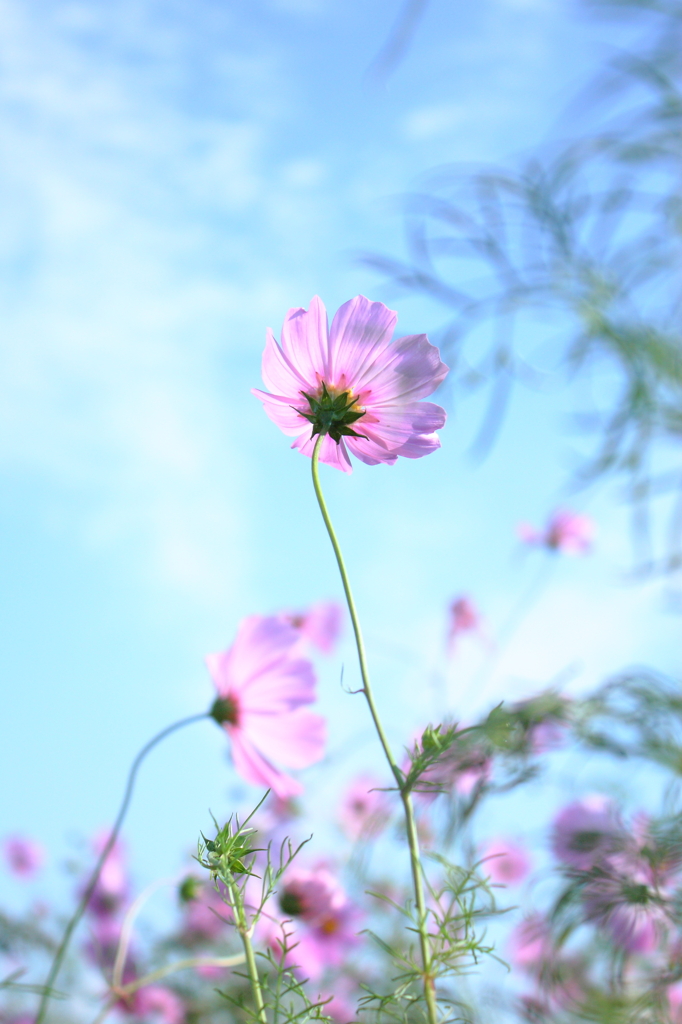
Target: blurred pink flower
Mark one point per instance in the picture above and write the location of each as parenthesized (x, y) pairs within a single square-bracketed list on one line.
[(627, 908), (263, 683), (674, 997), (23, 855), (155, 1002), (506, 862), (111, 892), (319, 625), (365, 809), (530, 944), (586, 831), (323, 920), (205, 915), (352, 385), (464, 618), (566, 531)]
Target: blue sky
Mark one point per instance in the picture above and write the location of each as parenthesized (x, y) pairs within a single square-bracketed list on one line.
[(174, 176)]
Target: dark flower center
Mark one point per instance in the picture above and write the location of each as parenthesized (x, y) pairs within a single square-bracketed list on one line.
[(332, 413), (291, 903), (225, 709), (636, 893), (586, 841)]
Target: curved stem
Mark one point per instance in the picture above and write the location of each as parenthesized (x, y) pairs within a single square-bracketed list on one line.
[(106, 850), (410, 822)]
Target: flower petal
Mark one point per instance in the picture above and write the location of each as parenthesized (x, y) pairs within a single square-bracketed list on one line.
[(279, 374), (410, 369), (255, 768), (282, 412), (296, 739), (330, 452), (261, 642), (282, 688), (361, 331), (305, 341)]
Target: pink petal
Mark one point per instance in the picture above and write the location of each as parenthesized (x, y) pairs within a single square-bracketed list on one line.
[(253, 767), (282, 413), (296, 738), (331, 453), (284, 687), (361, 331), (410, 369), (305, 341), (260, 643), (371, 451), (279, 374)]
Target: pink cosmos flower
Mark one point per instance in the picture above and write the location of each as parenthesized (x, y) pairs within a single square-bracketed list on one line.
[(24, 856), (507, 863), (157, 1003), (352, 385), (586, 831), (365, 809), (263, 683), (531, 944), (320, 625), (674, 997), (205, 915), (464, 618), (111, 892), (627, 908), (566, 531), (319, 918)]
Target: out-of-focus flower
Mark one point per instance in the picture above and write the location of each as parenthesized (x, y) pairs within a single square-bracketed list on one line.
[(205, 915), (626, 907), (341, 1007), (674, 998), (263, 683), (157, 1003), (566, 531), (464, 618), (530, 944), (352, 385), (319, 625), (506, 862), (586, 831), (365, 810), (111, 891), (24, 856), (324, 922), (461, 769)]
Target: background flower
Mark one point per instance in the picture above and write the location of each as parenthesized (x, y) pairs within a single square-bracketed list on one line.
[(263, 684)]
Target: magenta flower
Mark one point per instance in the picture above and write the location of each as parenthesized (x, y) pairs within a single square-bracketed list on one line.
[(319, 918), (464, 618), (263, 683), (531, 944), (352, 385), (674, 997), (158, 1004), (24, 856), (319, 625), (111, 892), (627, 908), (365, 809), (587, 831), (205, 915), (566, 531), (507, 863)]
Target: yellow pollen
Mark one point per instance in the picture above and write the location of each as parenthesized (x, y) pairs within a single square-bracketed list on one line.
[(329, 926)]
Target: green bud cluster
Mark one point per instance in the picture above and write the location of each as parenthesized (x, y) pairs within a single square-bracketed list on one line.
[(332, 414), (230, 853)]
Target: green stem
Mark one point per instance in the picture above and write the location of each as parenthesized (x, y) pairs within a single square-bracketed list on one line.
[(106, 850), (410, 823), (245, 934)]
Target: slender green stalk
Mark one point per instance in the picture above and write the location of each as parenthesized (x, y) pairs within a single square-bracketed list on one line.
[(410, 823), (106, 850), (245, 934)]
